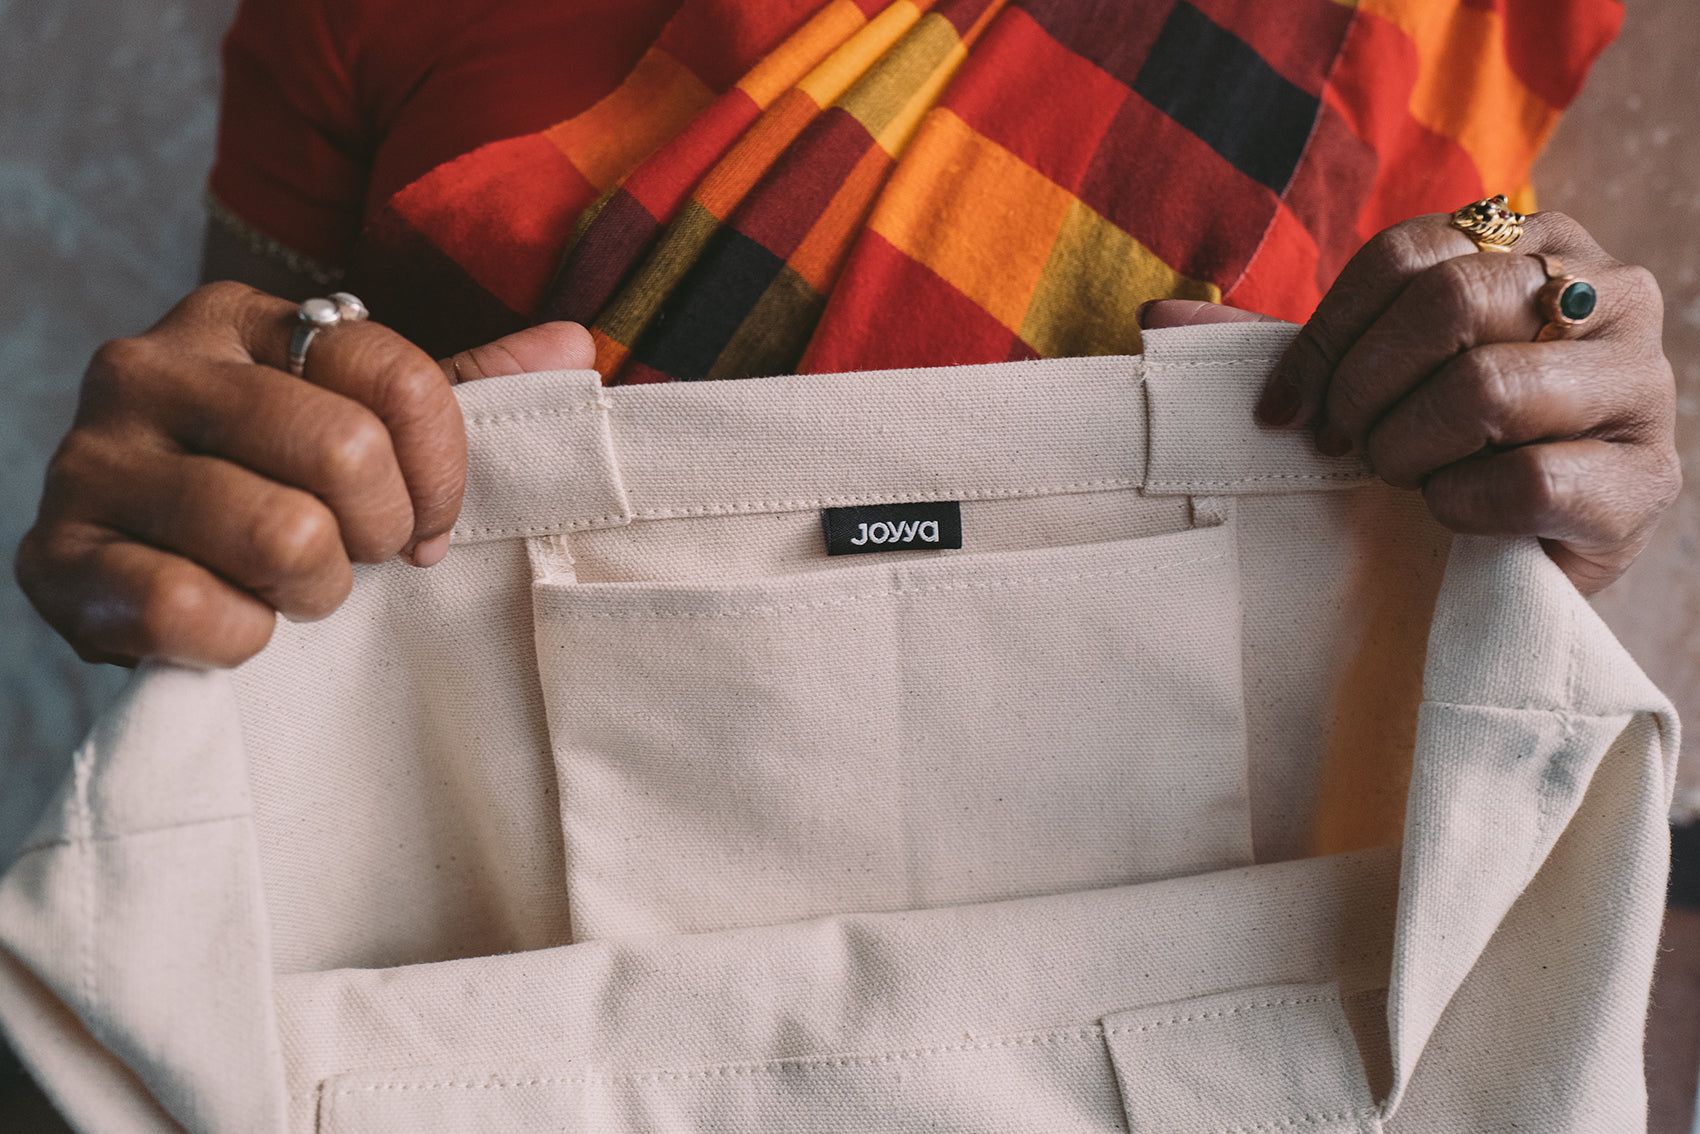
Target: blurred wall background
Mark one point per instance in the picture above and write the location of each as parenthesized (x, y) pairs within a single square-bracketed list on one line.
[(107, 112)]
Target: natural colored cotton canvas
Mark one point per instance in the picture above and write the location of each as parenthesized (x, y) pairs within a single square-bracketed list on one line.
[(1210, 786)]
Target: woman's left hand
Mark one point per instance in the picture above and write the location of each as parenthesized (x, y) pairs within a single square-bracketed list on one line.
[(1422, 357)]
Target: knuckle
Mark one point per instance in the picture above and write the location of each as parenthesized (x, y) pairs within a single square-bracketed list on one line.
[(1666, 480), (83, 477), (30, 565), (80, 458), (1387, 455), (355, 450), (186, 617), (406, 383), (296, 539), (1487, 392), (215, 300), (1544, 487), (1562, 229), (1402, 249), (1640, 288), (224, 316), (1322, 344), (121, 355), (1452, 290), (119, 369), (172, 609), (1350, 405)]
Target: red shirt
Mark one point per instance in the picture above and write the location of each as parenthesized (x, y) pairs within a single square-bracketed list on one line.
[(329, 108)]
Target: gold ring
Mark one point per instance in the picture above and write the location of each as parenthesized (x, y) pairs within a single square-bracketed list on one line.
[(1490, 223), (1564, 302)]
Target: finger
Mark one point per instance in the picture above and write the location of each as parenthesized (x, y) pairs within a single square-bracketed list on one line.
[(1449, 309), (1442, 312), (547, 346), (1375, 277), (1502, 395), (407, 391), (280, 543), (301, 435), (1158, 313), (119, 601), (1589, 499), (1366, 286)]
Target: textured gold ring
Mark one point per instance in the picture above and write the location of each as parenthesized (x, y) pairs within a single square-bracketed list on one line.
[(1491, 223), (1564, 302)]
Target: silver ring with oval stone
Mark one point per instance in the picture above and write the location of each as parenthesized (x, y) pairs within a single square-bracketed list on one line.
[(317, 315)]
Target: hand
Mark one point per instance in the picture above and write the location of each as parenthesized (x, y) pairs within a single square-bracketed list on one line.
[(202, 489), (1421, 356)]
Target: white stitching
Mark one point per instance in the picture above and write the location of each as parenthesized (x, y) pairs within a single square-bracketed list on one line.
[(739, 1070), (1161, 364), (61, 843), (1349, 475), (1302, 1120), (928, 494), (845, 600), (1550, 710), (1234, 1010), (545, 529), (535, 414), (745, 507)]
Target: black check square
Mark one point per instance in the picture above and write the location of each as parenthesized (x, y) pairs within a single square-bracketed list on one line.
[(1213, 83), (696, 323)]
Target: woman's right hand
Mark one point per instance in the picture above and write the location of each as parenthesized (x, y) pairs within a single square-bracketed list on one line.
[(202, 490)]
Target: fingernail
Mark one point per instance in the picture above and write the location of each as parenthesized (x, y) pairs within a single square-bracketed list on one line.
[(429, 553), (1331, 440), (1280, 402)]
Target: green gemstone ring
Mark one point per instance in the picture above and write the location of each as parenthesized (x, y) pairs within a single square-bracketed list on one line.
[(1564, 302)]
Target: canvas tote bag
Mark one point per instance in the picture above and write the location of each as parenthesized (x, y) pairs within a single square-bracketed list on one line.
[(1208, 786)]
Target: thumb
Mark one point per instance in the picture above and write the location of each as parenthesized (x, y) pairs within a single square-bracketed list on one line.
[(1279, 401), (547, 346), (1192, 312)]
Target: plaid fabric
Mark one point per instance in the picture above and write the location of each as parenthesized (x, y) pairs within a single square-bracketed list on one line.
[(789, 185)]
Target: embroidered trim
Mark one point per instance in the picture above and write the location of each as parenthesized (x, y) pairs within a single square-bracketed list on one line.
[(260, 244)]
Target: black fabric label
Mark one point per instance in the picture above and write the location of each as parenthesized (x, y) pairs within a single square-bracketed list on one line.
[(892, 527)]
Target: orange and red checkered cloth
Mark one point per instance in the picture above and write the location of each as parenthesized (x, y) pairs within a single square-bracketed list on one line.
[(791, 185)]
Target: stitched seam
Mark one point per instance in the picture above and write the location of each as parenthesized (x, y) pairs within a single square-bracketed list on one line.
[(547, 529), (763, 506), (741, 1070), (845, 600), (1559, 709), (930, 494), (1162, 364), (535, 414), (1234, 1010), (1302, 1120), (61, 843), (1229, 483), (746, 1070), (82, 835)]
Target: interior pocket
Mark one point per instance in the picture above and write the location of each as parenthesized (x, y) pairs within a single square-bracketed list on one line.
[(900, 735)]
